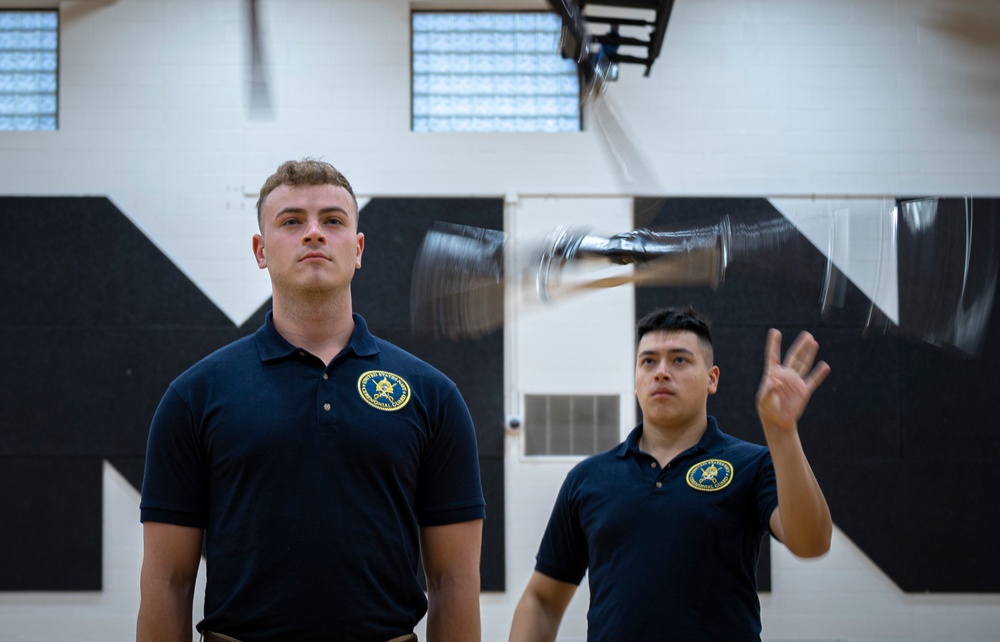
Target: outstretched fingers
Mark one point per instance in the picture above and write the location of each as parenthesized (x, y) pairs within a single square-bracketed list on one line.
[(800, 358), (817, 376), (772, 350), (801, 355)]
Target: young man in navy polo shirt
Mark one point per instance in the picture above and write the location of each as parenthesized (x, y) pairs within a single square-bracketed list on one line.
[(318, 464), (669, 523)]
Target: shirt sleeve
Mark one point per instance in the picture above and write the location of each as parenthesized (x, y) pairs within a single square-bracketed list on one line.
[(449, 488), (175, 481), (767, 492), (562, 555)]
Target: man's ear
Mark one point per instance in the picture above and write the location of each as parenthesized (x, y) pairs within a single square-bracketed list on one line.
[(258, 250), (713, 379)]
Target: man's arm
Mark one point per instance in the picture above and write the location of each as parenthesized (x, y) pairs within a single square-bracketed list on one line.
[(540, 610), (170, 559), (802, 520), (451, 562)]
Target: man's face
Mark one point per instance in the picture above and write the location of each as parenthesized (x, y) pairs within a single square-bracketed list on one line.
[(309, 240), (673, 378)]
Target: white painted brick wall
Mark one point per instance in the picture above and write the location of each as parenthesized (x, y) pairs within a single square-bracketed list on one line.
[(774, 98)]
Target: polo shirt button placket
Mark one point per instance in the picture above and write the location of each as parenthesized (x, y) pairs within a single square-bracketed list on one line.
[(324, 389), (656, 465)]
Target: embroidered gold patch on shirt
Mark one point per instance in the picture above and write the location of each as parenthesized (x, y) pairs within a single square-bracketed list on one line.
[(383, 390), (710, 475)]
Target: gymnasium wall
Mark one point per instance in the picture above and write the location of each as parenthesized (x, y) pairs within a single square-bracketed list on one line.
[(749, 100)]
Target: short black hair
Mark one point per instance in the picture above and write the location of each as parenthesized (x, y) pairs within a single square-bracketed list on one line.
[(686, 318)]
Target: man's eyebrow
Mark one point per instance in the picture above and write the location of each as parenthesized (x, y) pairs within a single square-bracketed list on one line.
[(299, 210), (668, 351)]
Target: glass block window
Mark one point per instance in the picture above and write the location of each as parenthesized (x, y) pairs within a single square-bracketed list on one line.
[(492, 72), (570, 424), (28, 66)]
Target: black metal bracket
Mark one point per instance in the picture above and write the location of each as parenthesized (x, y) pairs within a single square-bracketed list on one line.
[(591, 35)]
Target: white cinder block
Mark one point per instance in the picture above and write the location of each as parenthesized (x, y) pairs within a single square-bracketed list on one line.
[(774, 97)]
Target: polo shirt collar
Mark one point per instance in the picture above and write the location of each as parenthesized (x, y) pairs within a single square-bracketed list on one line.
[(712, 441), (272, 345)]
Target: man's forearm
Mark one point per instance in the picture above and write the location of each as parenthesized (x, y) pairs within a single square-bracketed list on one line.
[(453, 613), (804, 513), (533, 622), (164, 614)]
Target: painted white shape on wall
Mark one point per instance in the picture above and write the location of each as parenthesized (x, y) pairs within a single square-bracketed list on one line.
[(102, 615), (844, 596), (858, 236)]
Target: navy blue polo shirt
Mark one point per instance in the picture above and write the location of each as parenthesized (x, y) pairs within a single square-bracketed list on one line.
[(671, 552), (312, 483)]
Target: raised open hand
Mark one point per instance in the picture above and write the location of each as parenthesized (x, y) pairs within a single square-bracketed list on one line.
[(785, 388)]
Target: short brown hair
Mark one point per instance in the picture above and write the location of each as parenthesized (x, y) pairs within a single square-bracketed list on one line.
[(308, 171)]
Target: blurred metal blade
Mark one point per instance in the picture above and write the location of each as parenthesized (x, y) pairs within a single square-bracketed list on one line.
[(460, 272), (948, 262), (949, 259), (636, 177), (259, 97), (929, 266), (457, 291)]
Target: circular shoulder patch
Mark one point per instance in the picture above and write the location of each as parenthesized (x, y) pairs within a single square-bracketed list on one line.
[(710, 475), (383, 390)]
